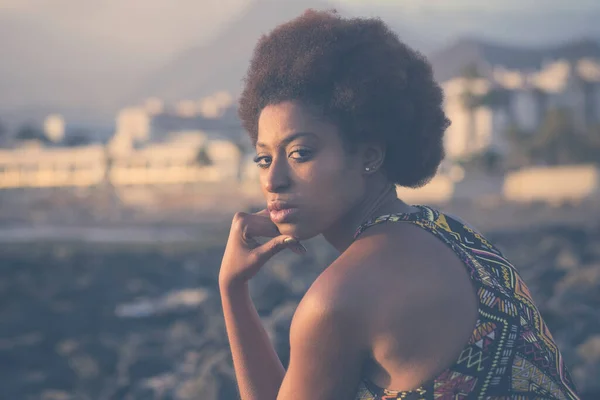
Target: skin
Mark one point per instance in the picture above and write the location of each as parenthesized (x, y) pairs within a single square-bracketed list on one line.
[(377, 312)]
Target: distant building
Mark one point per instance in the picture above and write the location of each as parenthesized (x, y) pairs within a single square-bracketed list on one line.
[(154, 106), (527, 107), (529, 84), (156, 143), (54, 128), (152, 144)]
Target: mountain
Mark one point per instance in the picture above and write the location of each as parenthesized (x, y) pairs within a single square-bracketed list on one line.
[(450, 61), (221, 64), (87, 61)]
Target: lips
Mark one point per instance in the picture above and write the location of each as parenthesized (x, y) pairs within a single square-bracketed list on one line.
[(281, 212)]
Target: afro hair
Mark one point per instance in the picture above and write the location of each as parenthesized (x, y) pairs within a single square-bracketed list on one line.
[(360, 76)]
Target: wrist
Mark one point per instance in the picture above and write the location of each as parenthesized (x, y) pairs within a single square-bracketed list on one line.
[(228, 286)]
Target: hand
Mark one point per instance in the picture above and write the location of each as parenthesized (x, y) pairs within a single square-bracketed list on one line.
[(244, 256)]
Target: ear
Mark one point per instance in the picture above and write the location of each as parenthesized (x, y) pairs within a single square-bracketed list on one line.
[(373, 155)]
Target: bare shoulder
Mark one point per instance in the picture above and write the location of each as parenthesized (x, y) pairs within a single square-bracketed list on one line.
[(410, 256), (330, 311), (400, 287), (338, 293), (391, 265)]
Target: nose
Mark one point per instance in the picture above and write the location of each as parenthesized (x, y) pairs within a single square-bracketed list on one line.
[(277, 178)]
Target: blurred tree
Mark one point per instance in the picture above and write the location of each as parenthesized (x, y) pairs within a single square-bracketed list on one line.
[(495, 98), (77, 138), (242, 148), (558, 141), (471, 71), (3, 133), (594, 148), (489, 161), (520, 146), (555, 141), (471, 74), (203, 158), (30, 132)]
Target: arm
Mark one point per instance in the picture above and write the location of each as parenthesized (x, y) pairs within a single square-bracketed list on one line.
[(258, 370), (328, 349), (326, 346)]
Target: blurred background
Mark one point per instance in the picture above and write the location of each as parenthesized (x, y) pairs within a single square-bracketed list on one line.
[(122, 161)]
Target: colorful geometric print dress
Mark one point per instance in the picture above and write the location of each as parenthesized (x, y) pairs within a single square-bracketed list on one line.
[(511, 353)]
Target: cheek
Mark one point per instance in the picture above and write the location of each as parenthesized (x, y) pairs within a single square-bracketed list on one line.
[(322, 173), (332, 180)]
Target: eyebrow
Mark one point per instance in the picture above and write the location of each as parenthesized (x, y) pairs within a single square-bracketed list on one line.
[(290, 138)]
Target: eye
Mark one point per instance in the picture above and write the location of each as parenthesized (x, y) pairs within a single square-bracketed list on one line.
[(262, 161), (301, 155)]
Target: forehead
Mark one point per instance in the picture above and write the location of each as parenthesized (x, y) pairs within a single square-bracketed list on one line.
[(278, 121)]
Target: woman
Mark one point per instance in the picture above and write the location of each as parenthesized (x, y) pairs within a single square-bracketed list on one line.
[(418, 305)]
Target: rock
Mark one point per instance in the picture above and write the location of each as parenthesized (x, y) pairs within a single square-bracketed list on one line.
[(277, 326), (580, 286), (214, 379), (84, 366), (281, 317), (567, 259), (589, 351), (268, 292), (174, 301), (160, 385), (297, 275), (587, 379), (56, 395), (144, 323)]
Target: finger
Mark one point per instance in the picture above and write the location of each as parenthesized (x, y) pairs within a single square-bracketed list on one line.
[(249, 226), (263, 213), (294, 245), (297, 248), (275, 245), (259, 226)]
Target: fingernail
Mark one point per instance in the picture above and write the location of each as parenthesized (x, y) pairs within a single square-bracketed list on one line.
[(296, 247)]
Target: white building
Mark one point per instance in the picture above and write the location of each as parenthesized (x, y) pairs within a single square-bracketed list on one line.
[(149, 147), (557, 84), (476, 130), (526, 109), (54, 128)]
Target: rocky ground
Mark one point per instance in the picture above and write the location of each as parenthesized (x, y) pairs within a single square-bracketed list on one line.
[(144, 322)]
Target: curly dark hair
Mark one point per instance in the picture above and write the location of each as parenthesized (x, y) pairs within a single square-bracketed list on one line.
[(361, 77)]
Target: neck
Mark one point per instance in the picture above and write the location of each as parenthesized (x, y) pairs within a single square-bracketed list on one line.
[(381, 199)]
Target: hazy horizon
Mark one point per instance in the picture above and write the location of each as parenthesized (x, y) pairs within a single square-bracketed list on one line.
[(70, 49)]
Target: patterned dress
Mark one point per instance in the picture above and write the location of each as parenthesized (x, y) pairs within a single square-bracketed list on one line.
[(511, 353)]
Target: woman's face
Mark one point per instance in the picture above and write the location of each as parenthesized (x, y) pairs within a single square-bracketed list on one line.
[(307, 176)]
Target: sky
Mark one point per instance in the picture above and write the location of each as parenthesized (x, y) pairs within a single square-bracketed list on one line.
[(70, 49), (168, 26), (490, 5), (160, 25)]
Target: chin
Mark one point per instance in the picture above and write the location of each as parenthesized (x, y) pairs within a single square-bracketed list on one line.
[(298, 230)]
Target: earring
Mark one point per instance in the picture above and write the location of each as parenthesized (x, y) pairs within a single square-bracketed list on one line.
[(367, 169)]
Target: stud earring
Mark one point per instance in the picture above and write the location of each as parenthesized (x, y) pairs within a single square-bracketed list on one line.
[(367, 169)]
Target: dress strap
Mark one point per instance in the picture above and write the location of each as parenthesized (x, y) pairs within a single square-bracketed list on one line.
[(424, 214)]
